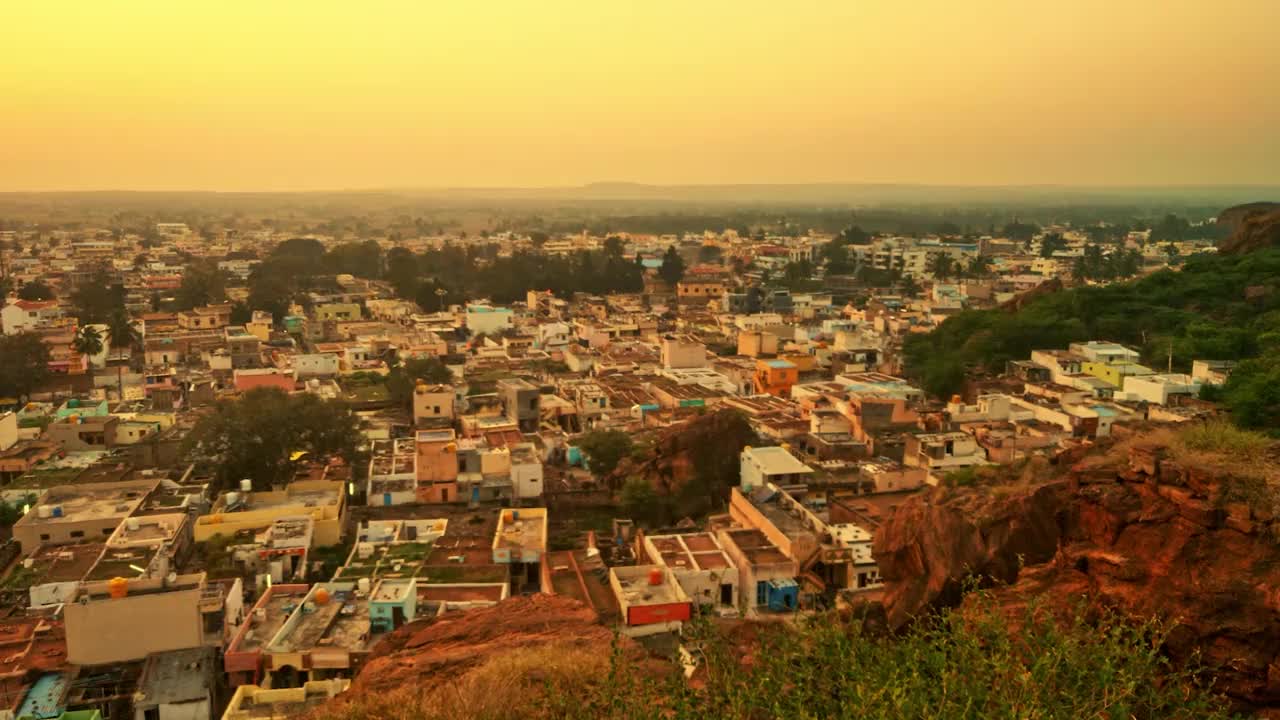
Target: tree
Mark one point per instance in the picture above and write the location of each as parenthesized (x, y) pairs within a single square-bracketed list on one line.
[(672, 269), (121, 332), (642, 504), (35, 290), (24, 364), (96, 297), (202, 283), (404, 376), (604, 449), (979, 266), (88, 341), (257, 435), (402, 271), (1051, 243), (941, 265)]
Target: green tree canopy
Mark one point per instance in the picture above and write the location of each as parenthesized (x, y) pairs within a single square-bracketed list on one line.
[(254, 436), (604, 450), (672, 269), (35, 290), (24, 364)]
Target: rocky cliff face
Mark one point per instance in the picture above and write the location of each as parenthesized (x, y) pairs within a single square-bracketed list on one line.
[(1253, 226), (1151, 537)]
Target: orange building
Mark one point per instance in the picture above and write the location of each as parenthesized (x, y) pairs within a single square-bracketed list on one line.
[(776, 377), (437, 466)]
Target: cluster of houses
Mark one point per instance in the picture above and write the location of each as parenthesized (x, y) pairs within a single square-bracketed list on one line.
[(133, 586)]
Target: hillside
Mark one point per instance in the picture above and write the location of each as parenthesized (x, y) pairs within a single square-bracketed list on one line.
[(1254, 226), (1216, 307)]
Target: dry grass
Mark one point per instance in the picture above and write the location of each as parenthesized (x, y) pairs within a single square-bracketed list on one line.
[(507, 687)]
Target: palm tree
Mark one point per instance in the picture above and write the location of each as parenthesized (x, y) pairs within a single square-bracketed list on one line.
[(941, 265), (88, 341), (121, 332), (979, 266)]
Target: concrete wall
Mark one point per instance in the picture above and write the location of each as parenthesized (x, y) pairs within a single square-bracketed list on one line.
[(105, 630), (8, 430)]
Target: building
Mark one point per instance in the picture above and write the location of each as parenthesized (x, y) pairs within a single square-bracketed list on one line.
[(766, 575), (392, 603), (324, 501), (488, 320), (124, 620), (433, 405), (759, 466), (70, 514), (77, 433), (393, 476), (1160, 389), (683, 352), (520, 541), (943, 452), (20, 316), (177, 685), (251, 702), (521, 400), (650, 599), (699, 564), (436, 465), (776, 377)]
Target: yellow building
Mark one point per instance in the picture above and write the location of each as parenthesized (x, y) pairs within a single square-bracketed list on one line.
[(1114, 373), (324, 501)]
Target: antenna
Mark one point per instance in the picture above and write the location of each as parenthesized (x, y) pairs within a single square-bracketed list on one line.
[(1170, 370)]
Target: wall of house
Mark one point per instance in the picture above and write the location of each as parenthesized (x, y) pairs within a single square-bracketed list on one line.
[(105, 631)]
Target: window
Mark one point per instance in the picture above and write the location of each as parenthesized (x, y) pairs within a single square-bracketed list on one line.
[(762, 593), (106, 531), (77, 533), (44, 536), (437, 410)]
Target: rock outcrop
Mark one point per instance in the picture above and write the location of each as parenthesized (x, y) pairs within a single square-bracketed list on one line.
[(1252, 226), (1149, 537)]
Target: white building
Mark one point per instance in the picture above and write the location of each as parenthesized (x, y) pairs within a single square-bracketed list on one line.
[(488, 319), (762, 465)]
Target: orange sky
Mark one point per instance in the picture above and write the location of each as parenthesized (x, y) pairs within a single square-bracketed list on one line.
[(282, 95)]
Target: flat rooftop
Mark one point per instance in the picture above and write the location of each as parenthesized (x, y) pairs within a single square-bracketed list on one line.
[(756, 547), (636, 590), (777, 461), (523, 529), (689, 552), (87, 503), (262, 626), (342, 622)]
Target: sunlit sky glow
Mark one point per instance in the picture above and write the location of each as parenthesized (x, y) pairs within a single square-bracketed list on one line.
[(282, 95)]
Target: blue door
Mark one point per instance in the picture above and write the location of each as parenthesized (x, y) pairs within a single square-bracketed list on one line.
[(386, 498)]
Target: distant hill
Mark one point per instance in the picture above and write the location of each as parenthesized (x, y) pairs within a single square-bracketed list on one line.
[(1253, 226)]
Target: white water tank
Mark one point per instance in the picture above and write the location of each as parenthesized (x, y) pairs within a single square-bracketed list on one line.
[(246, 485), (132, 523), (233, 497), (44, 512), (362, 586)]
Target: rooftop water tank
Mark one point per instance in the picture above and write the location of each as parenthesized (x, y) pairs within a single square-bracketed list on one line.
[(362, 586), (655, 576), (246, 485), (132, 523), (44, 512), (57, 511), (117, 587)]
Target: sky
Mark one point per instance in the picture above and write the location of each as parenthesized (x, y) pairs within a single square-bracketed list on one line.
[(290, 95)]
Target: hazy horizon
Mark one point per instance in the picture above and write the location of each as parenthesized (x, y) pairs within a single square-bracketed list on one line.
[(384, 96)]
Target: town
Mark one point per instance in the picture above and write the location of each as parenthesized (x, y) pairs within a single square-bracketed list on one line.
[(235, 460)]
